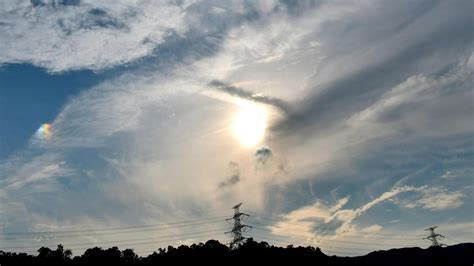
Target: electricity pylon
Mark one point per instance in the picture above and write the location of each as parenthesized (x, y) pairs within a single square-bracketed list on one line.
[(433, 237), (238, 227)]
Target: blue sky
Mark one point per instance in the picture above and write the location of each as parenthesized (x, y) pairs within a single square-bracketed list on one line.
[(351, 116), (37, 98)]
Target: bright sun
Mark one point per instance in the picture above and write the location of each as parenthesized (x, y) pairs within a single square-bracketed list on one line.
[(249, 125)]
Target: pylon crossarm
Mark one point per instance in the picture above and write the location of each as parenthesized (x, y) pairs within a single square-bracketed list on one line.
[(237, 215)]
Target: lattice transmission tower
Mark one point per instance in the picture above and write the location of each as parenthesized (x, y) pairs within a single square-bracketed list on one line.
[(238, 227), (433, 237)]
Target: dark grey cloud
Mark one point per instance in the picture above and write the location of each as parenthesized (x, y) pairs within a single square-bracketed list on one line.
[(249, 95), (235, 175), (231, 181), (263, 154)]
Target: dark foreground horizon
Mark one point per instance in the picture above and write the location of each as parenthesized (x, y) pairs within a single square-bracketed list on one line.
[(214, 252)]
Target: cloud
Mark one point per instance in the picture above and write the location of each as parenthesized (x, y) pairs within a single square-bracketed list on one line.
[(416, 94), (350, 81), (327, 222), (372, 229), (305, 218), (350, 215), (452, 174), (263, 154), (114, 110), (40, 168), (448, 175), (414, 110), (438, 199), (248, 95), (334, 218), (72, 35), (88, 34), (234, 178), (231, 181)]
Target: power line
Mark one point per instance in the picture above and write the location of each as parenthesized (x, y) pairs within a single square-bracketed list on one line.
[(340, 241), (266, 229), (111, 228), (325, 227), (325, 246), (348, 253), (119, 232), (190, 222), (304, 231), (236, 232), (286, 241), (363, 243), (279, 240), (121, 241), (151, 242), (453, 240), (260, 237)]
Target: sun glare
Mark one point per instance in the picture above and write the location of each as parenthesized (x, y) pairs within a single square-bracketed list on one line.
[(249, 125)]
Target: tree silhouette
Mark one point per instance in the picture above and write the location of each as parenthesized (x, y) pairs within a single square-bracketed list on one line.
[(215, 252)]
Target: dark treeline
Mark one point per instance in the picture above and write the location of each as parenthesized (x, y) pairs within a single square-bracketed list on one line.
[(216, 253)]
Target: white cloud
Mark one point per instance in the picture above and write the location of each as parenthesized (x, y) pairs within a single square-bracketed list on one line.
[(322, 215), (98, 35), (38, 169), (453, 174), (340, 221), (269, 55), (448, 175), (99, 113), (413, 105), (351, 215), (372, 229), (93, 35), (324, 211), (420, 107), (304, 218), (437, 199)]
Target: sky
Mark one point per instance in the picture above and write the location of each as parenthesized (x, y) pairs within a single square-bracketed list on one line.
[(341, 124)]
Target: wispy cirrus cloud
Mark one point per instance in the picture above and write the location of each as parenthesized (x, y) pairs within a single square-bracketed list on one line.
[(18, 173)]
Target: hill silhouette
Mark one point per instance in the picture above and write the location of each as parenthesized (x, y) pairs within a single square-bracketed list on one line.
[(213, 252)]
